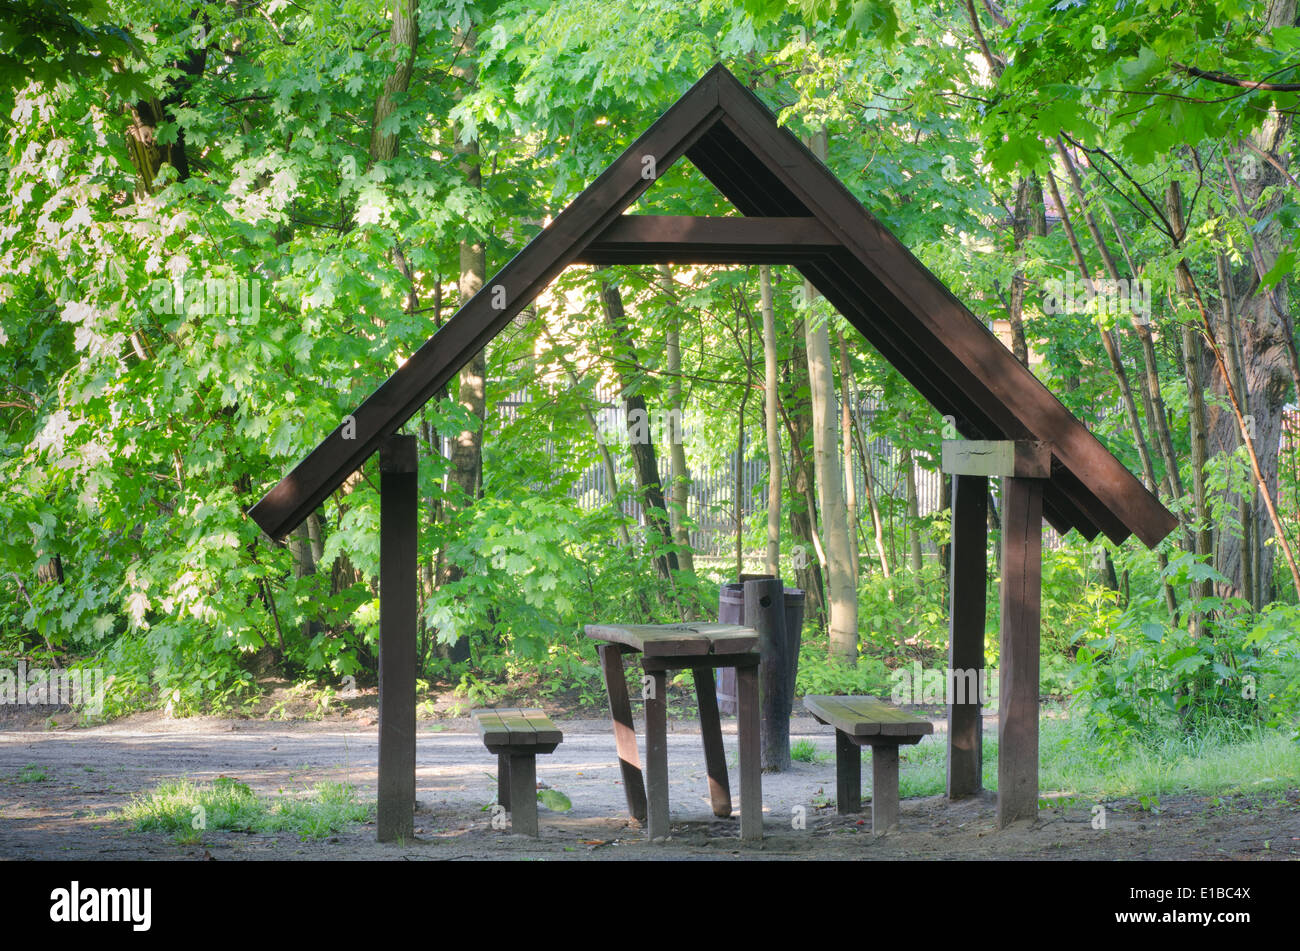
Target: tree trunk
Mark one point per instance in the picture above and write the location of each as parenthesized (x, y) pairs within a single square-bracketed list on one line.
[(740, 436), (771, 406), (869, 487), (645, 463), (1192, 360), (1108, 341), (1030, 219), (403, 37), (830, 493), (846, 440), (467, 453), (803, 510), (913, 511), (842, 582), (679, 476), (1264, 343), (1149, 382)]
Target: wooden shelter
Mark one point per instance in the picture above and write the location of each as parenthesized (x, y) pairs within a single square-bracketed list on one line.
[(793, 211)]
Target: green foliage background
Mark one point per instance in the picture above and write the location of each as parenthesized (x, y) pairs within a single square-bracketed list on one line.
[(136, 434)]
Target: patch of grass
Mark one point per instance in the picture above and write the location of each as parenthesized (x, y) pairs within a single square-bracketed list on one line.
[(332, 808), (1069, 766), (185, 810), (32, 773), (805, 751)]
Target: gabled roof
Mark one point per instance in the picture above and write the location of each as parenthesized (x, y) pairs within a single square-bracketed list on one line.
[(907, 313)]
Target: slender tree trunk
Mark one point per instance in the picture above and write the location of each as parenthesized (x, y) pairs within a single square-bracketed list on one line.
[(742, 312), (1233, 554), (1196, 413), (678, 473), (771, 409), (869, 487), (1266, 480), (1150, 378), (803, 510), (846, 440), (645, 463), (738, 496), (834, 516), (913, 511), (1265, 339), (836, 531), (1030, 219), (466, 471), (1109, 343), (1149, 384)]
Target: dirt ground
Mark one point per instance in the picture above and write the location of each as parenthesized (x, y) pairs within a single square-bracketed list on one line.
[(94, 771)]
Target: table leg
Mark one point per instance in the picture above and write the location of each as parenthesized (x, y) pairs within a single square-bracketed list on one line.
[(848, 775), (503, 780), (715, 760), (656, 755), (751, 775), (620, 710)]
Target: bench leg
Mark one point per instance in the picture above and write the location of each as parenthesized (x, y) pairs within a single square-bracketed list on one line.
[(523, 793), (620, 711), (503, 780), (715, 760), (848, 775), (656, 755), (884, 787)]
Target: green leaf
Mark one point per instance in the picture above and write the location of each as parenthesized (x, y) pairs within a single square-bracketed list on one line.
[(1282, 267), (554, 800)]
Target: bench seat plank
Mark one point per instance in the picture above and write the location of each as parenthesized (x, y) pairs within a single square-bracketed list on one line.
[(522, 732), (490, 727), (865, 717), (547, 732), (516, 727)]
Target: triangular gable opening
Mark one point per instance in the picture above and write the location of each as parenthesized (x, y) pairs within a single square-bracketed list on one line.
[(808, 219)]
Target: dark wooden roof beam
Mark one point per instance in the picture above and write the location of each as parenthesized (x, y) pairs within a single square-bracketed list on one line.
[(683, 239)]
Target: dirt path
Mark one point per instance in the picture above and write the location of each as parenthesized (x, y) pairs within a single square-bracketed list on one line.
[(92, 772)]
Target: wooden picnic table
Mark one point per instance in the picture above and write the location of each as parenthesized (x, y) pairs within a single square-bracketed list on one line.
[(700, 648)]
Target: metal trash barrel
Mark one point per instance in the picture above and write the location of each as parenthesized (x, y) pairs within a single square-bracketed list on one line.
[(731, 610)]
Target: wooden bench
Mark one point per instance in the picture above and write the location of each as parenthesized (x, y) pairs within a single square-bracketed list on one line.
[(517, 736), (866, 721)]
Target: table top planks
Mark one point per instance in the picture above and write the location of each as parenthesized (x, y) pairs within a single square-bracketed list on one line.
[(866, 716), (678, 640)]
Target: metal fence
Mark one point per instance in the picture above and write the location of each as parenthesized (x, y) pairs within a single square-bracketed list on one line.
[(711, 490)]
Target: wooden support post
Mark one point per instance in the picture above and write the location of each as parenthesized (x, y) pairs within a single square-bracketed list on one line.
[(656, 755), (523, 794), (503, 781), (765, 613), (715, 759), (848, 775), (884, 787), (620, 711), (1022, 569), (751, 770), (967, 608), (398, 543)]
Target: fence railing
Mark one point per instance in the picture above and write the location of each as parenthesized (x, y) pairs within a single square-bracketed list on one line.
[(711, 491)]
